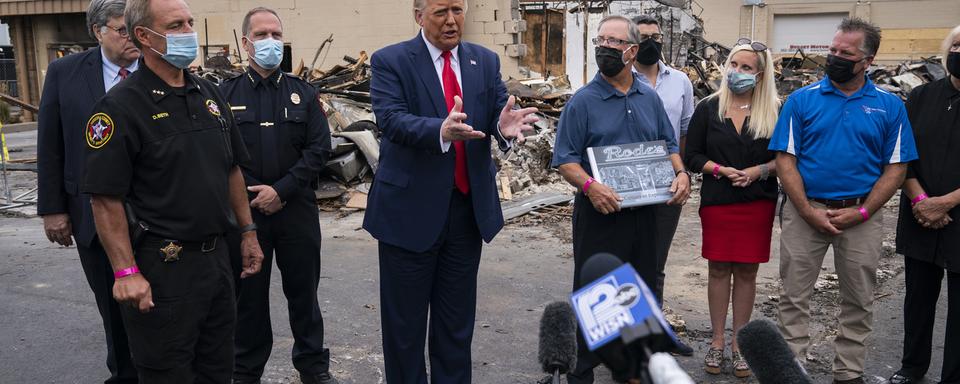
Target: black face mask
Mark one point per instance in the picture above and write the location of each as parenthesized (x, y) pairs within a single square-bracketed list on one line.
[(609, 61), (953, 64), (649, 52), (840, 69)]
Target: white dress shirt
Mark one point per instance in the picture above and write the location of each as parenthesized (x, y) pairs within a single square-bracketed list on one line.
[(111, 71), (435, 54)]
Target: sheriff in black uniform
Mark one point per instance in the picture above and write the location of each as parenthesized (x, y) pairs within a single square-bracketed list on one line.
[(286, 132), (164, 142)]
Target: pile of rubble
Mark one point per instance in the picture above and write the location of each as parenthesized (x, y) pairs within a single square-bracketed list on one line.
[(799, 70)]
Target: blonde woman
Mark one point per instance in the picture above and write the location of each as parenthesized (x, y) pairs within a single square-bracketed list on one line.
[(727, 141)]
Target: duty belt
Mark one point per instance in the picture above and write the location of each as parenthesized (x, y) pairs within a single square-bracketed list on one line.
[(170, 250)]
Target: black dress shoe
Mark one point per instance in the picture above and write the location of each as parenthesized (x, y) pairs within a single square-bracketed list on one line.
[(682, 349), (858, 380), (899, 378), (318, 378)]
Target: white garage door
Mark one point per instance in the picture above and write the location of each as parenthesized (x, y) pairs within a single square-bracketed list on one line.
[(810, 32)]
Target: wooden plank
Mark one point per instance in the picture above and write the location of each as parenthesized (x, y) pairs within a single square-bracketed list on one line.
[(357, 200)]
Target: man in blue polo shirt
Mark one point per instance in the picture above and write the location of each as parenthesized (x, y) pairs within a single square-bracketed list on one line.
[(614, 108), (843, 147)]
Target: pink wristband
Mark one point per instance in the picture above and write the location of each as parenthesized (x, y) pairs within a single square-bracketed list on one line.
[(919, 198), (716, 171), (126, 272), (864, 213), (586, 185)]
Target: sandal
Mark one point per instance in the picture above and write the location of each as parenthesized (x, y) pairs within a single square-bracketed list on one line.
[(713, 361), (740, 367)]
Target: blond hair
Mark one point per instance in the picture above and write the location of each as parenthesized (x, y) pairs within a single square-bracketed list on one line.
[(765, 106), (947, 44)]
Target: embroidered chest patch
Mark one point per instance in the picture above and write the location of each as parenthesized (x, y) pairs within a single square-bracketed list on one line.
[(213, 108)]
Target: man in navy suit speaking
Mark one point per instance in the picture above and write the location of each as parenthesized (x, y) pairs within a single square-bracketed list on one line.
[(72, 86), (438, 101)]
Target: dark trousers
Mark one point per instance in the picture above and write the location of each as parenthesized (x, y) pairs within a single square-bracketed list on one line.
[(667, 217), (441, 281), (293, 234), (96, 266), (631, 235), (923, 281), (188, 335)]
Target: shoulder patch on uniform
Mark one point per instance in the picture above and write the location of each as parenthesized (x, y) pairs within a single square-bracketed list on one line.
[(99, 130), (213, 107)]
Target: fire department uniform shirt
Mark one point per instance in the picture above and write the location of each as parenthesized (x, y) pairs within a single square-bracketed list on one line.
[(168, 152), (283, 127), (843, 142)]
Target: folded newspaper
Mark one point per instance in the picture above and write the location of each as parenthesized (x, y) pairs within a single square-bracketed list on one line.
[(640, 172)]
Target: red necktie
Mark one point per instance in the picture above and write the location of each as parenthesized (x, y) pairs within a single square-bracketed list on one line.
[(451, 88), (123, 73)]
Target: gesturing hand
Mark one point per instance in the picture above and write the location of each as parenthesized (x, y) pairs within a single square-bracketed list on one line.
[(454, 128), (514, 122)]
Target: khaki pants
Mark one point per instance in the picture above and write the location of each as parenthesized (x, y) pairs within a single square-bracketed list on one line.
[(856, 255)]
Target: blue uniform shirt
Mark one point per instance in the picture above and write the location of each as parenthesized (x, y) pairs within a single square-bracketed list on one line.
[(842, 143), (598, 115)]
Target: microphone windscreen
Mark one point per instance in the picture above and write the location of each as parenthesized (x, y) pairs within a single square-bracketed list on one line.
[(768, 355), (558, 338), (664, 369), (598, 265)]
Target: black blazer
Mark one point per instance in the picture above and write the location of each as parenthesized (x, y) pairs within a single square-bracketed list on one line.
[(72, 86)]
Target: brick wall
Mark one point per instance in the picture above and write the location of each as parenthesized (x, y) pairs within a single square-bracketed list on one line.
[(361, 25)]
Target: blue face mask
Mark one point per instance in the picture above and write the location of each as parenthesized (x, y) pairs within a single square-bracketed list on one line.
[(268, 53), (741, 82), (181, 48)]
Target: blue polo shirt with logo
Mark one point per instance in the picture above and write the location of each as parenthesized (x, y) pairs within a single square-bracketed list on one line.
[(842, 143)]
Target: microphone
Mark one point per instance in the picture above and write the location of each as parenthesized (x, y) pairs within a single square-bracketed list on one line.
[(619, 318), (558, 340), (664, 369), (597, 266), (768, 355)]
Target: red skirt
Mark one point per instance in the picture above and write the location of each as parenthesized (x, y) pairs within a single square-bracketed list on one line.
[(738, 233)]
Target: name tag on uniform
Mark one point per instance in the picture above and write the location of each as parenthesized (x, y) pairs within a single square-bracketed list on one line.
[(238, 107), (161, 115)]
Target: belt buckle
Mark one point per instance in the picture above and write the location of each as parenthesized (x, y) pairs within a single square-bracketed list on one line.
[(171, 252)]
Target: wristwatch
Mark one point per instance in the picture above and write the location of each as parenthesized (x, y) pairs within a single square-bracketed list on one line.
[(248, 228)]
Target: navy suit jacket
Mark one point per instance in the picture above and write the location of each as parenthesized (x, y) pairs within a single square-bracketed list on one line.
[(72, 86), (410, 197)]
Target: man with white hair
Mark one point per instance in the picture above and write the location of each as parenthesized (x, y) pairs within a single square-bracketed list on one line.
[(71, 87)]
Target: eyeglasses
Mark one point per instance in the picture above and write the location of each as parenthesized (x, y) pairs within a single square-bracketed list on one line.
[(608, 41), (122, 31), (755, 45), (658, 37)]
